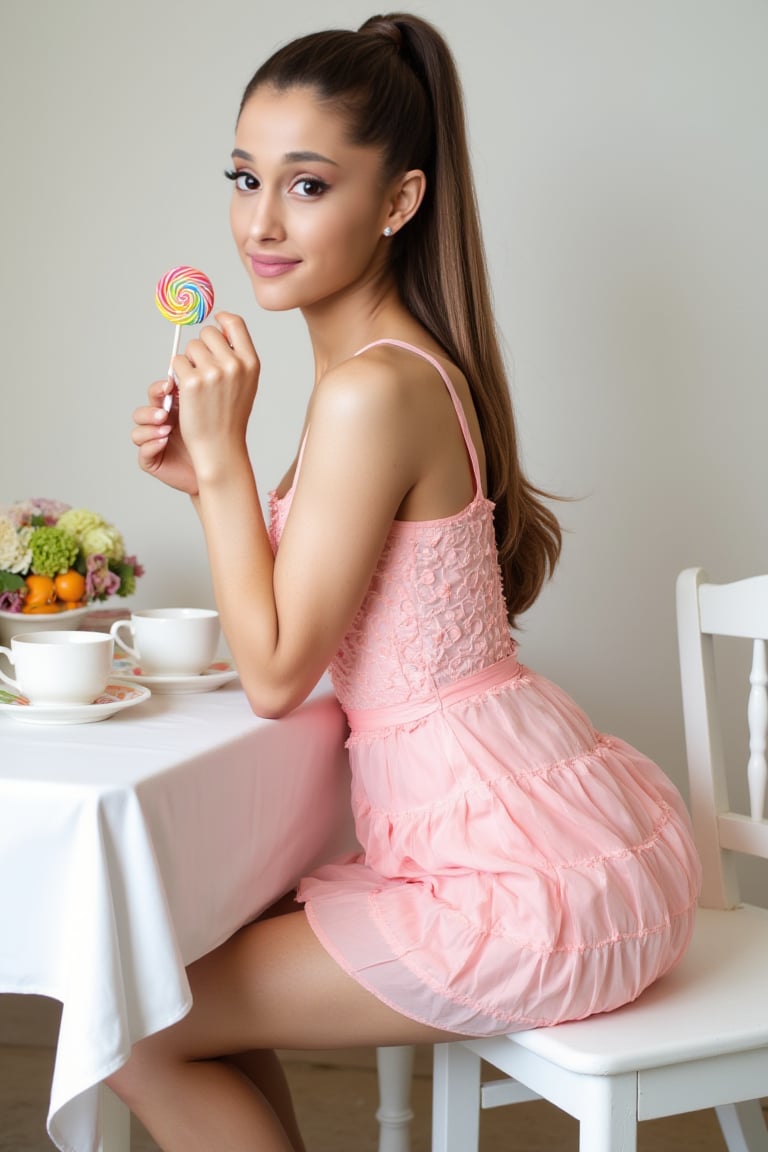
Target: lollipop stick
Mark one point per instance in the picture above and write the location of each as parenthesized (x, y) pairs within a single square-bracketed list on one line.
[(184, 296), (168, 398)]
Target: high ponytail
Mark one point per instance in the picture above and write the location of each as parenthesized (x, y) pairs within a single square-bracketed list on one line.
[(396, 84)]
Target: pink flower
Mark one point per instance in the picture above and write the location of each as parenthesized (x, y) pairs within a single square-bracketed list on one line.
[(132, 562), (11, 601), (22, 512), (99, 581)]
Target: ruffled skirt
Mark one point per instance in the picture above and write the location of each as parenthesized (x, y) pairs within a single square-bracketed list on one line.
[(518, 869)]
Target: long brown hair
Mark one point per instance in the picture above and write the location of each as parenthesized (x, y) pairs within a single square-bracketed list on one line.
[(396, 83)]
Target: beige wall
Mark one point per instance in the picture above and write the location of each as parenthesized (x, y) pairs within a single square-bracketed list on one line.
[(622, 169)]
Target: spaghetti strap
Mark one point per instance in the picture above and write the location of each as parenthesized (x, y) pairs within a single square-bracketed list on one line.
[(451, 392), (299, 458)]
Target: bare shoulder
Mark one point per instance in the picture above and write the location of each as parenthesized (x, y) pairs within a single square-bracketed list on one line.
[(385, 382), (386, 419)]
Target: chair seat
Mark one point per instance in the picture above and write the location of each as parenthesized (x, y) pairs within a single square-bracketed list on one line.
[(714, 1002)]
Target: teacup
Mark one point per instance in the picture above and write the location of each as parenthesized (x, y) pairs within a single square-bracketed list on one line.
[(59, 668), (170, 641)]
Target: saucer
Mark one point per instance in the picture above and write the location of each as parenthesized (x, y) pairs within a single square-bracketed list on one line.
[(113, 699), (216, 674)]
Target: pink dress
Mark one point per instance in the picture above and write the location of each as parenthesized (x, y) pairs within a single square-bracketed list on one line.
[(518, 868)]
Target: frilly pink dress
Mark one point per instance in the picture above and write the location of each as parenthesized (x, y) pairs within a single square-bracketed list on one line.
[(518, 868)]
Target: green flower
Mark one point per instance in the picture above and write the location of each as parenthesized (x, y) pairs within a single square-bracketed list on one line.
[(93, 533), (53, 551)]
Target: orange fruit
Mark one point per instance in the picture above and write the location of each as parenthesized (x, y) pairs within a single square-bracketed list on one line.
[(40, 609), (40, 590), (69, 585)]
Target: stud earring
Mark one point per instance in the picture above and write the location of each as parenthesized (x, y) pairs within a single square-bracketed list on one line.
[(387, 231)]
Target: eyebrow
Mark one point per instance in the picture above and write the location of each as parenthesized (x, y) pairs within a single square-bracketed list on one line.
[(289, 157)]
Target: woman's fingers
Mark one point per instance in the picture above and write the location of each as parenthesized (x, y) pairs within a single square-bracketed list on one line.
[(151, 426), (156, 392), (147, 434), (152, 451), (161, 448), (226, 348), (150, 415), (238, 337)]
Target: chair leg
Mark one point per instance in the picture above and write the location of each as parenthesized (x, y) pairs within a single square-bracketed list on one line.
[(115, 1122), (608, 1114), (743, 1126), (395, 1068), (455, 1099)]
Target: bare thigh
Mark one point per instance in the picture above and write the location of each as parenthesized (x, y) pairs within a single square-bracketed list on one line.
[(273, 985)]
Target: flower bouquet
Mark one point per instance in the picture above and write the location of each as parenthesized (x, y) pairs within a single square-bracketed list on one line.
[(55, 558)]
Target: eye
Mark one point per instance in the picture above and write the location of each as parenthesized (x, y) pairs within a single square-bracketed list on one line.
[(310, 187), (244, 181)]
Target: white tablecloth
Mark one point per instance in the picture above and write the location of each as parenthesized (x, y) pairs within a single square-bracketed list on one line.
[(130, 847)]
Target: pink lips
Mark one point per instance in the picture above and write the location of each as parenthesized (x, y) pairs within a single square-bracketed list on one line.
[(271, 265)]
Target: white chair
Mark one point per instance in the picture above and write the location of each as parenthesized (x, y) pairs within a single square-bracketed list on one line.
[(698, 1038)]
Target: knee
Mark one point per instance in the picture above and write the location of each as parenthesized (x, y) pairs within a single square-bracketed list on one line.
[(131, 1082)]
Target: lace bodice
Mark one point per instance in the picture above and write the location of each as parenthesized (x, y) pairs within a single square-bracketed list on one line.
[(434, 611)]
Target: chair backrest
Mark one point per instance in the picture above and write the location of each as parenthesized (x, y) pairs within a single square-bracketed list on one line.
[(706, 610)]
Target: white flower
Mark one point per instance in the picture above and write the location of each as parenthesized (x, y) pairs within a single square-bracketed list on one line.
[(15, 554), (93, 533), (104, 539)]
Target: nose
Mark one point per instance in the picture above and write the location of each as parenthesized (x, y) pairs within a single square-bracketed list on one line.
[(266, 221)]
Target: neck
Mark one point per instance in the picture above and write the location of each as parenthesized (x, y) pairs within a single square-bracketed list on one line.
[(340, 327)]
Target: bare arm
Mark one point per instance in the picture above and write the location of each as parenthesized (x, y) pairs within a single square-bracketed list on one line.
[(284, 618)]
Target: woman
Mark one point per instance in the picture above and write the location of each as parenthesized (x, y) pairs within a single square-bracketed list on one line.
[(518, 868)]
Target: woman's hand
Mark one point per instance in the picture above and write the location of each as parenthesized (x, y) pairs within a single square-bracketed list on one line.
[(162, 451), (217, 377)]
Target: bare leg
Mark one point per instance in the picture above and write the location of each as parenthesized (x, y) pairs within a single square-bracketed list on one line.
[(262, 1066), (264, 1070), (271, 986)]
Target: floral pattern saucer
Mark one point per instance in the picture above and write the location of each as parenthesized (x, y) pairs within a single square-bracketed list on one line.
[(215, 675), (114, 698)]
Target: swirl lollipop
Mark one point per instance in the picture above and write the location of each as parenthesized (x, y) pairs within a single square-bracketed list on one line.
[(183, 296)]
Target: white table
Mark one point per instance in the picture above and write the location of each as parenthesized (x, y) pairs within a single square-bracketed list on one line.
[(133, 846)]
